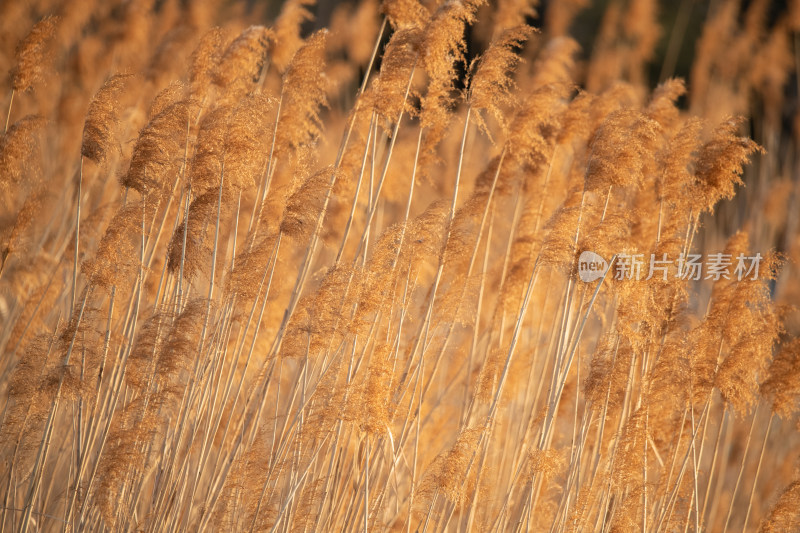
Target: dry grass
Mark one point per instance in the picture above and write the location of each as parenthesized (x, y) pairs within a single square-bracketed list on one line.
[(260, 278)]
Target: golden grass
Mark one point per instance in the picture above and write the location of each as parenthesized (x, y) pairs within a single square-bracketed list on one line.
[(256, 277)]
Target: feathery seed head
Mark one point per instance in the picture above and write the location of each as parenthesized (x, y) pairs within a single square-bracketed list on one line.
[(101, 119), (32, 55)]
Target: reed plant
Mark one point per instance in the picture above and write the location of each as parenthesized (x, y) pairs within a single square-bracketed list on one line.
[(263, 272)]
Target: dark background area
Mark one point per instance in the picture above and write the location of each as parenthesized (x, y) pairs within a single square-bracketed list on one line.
[(681, 22)]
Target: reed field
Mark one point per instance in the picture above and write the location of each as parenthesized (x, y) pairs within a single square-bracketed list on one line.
[(400, 265)]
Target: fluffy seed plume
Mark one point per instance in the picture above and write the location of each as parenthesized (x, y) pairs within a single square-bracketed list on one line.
[(558, 248), (662, 104), (207, 161), (14, 237), (720, 163), (204, 61), (17, 150), (404, 14), (116, 259), (303, 93), (445, 44), (241, 65), (533, 130), (783, 383), (375, 396), (444, 47), (449, 471), (305, 206), (101, 118), (785, 515), (490, 86), (190, 247), (158, 149), (32, 55), (620, 151), (287, 31), (398, 63), (245, 140)]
